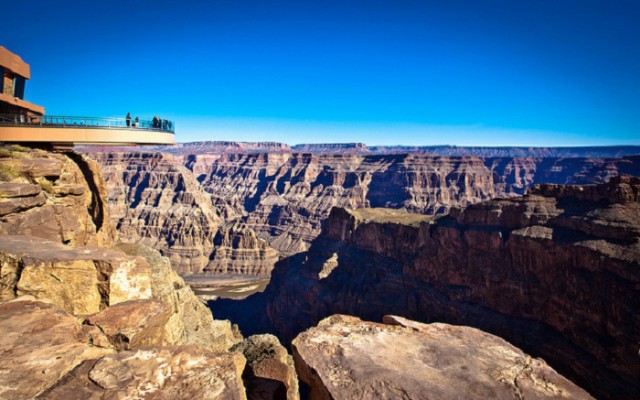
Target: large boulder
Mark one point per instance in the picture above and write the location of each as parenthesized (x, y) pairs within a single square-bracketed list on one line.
[(133, 324), (39, 344), (347, 358), (270, 373)]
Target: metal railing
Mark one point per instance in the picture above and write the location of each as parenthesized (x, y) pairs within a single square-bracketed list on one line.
[(56, 121)]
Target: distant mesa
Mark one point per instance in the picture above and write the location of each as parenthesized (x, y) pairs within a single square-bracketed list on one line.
[(25, 122), (226, 147)]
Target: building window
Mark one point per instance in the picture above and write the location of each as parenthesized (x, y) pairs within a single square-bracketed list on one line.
[(18, 87)]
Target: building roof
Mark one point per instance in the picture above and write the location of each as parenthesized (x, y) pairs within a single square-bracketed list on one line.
[(14, 63)]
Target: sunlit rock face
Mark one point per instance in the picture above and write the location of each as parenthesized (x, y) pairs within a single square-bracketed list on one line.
[(156, 201), (555, 272), (83, 317), (346, 358), (53, 196)]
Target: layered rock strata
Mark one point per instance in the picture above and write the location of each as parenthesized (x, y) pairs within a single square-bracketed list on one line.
[(220, 147), (229, 211), (284, 197), (50, 195), (157, 202), (555, 272), (346, 358)]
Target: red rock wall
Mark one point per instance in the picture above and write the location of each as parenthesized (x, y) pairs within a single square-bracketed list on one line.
[(556, 272)]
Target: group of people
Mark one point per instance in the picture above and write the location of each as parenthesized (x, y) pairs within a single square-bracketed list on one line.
[(159, 123), (136, 121), (156, 123)]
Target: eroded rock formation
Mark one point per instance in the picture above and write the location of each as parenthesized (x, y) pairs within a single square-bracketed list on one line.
[(225, 212), (270, 372), (346, 358), (556, 272), (156, 201), (84, 319), (48, 195)]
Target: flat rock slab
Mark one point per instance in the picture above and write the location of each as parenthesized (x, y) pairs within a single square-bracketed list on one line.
[(133, 324), (174, 372), (346, 358), (17, 189), (39, 249), (39, 343)]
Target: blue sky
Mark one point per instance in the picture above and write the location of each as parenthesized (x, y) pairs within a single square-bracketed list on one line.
[(490, 72)]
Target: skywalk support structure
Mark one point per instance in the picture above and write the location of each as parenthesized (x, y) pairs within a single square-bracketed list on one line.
[(25, 122)]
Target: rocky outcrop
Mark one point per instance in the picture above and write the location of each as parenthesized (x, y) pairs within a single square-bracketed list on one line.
[(346, 358), (270, 372), (79, 280), (84, 319), (238, 250), (555, 272), (190, 321), (47, 195)]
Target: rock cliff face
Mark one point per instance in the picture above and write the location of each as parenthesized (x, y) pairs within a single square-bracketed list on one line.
[(556, 272), (228, 212), (156, 201), (346, 358), (284, 197)]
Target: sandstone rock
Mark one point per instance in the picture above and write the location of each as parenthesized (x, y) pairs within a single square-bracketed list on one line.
[(133, 324), (81, 281), (556, 276), (346, 358), (174, 372), (125, 302), (39, 344), (191, 321), (54, 197), (270, 372), (17, 189), (237, 250)]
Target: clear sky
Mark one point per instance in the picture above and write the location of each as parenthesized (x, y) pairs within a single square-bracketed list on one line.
[(474, 72)]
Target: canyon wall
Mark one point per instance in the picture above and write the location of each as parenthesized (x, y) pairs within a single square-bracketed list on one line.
[(238, 212), (156, 201), (556, 272)]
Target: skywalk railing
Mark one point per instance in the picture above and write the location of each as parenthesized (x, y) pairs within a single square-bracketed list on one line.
[(56, 121)]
